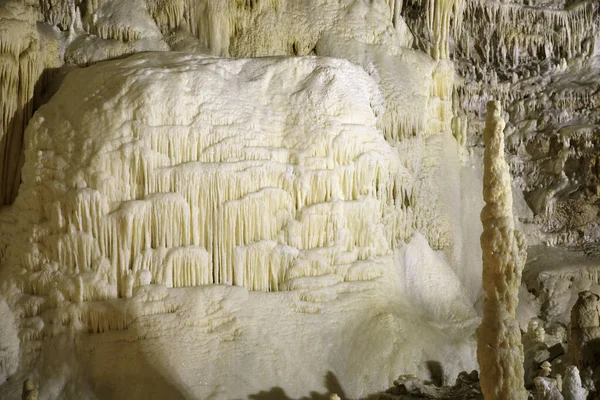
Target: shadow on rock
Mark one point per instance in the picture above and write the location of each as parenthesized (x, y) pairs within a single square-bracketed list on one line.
[(331, 383)]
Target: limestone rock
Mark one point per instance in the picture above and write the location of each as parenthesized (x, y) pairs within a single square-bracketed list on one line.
[(547, 389), (499, 348), (584, 329), (30, 392), (572, 387)]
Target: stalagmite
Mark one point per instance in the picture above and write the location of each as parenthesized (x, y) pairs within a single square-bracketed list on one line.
[(499, 348), (584, 328), (547, 389), (572, 388), (30, 392)]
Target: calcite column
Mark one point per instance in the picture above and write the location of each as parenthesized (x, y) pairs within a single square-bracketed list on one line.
[(499, 348)]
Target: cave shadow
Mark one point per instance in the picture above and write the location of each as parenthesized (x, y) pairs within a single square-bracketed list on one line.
[(12, 144), (129, 371), (436, 373), (277, 393), (591, 353)]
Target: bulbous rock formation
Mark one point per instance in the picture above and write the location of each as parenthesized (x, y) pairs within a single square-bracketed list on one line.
[(29, 390), (584, 328), (547, 389), (499, 348), (572, 387)]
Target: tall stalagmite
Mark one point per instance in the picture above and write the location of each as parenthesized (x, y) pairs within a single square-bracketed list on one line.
[(499, 349)]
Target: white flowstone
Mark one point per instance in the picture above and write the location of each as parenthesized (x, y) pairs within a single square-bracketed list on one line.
[(186, 171)]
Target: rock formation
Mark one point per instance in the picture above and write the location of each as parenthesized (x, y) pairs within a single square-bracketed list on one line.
[(466, 387), (253, 174), (547, 389), (572, 388), (214, 187), (29, 391), (499, 348), (584, 329)]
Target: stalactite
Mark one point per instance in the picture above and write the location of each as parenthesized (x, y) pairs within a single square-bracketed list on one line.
[(514, 33), (395, 11), (20, 68), (436, 27), (103, 318), (214, 23), (27, 56), (499, 348), (63, 14), (188, 204)]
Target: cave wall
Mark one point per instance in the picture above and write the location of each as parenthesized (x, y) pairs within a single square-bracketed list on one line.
[(256, 177)]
